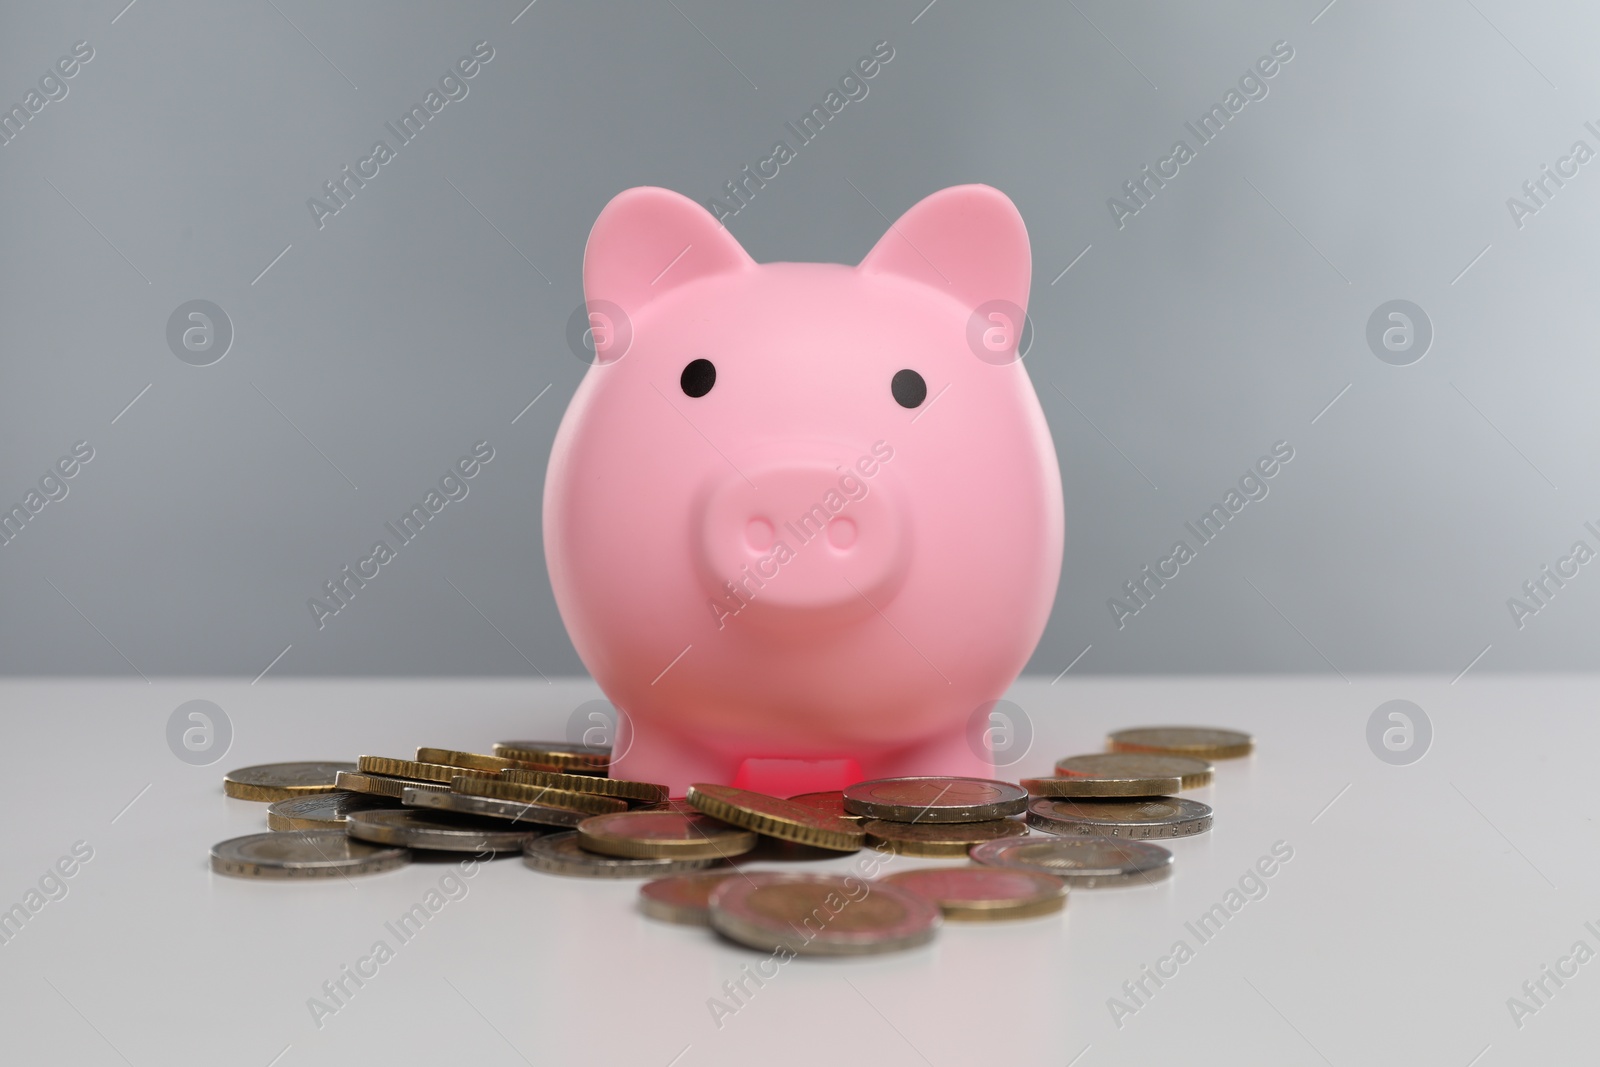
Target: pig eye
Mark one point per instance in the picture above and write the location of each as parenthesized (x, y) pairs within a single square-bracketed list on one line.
[(698, 377), (908, 388)]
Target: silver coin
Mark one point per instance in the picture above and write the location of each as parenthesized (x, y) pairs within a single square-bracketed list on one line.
[(382, 785), (442, 830), (935, 799), (494, 808), (322, 811), (821, 915), (1086, 862), (302, 854), (1135, 820), (560, 854)]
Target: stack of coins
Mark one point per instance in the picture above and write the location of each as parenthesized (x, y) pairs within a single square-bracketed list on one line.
[(1092, 824)]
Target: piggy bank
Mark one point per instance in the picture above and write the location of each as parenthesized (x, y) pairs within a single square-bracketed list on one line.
[(803, 520)]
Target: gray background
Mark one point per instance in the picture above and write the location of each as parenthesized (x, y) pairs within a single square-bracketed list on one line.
[(1224, 317)]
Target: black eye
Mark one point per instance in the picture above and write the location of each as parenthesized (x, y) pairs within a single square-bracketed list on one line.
[(698, 377), (908, 388)]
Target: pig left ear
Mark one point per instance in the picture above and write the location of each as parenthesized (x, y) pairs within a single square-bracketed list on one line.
[(967, 240), (648, 241)]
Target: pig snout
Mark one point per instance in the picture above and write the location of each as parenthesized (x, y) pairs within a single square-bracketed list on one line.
[(803, 539)]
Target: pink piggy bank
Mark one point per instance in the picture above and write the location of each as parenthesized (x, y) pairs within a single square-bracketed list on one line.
[(803, 521)]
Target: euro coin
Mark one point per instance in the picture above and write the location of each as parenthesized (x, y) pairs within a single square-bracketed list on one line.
[(1194, 772), (682, 898), (1201, 742), (775, 817), (821, 915), (829, 802), (590, 803), (382, 785), (321, 811), (280, 781), (476, 761), (937, 838), (440, 830), (664, 834), (935, 799), (642, 792), (1137, 820), (513, 811), (410, 768), (302, 854), (557, 756), (985, 894), (561, 854), (1087, 862), (1109, 784)]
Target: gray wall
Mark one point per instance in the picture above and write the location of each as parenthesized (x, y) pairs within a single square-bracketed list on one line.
[(1221, 318)]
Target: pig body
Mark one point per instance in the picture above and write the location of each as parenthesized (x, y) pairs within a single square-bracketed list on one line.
[(801, 525)]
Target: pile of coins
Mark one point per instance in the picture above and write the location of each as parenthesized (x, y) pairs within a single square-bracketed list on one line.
[(1092, 824)]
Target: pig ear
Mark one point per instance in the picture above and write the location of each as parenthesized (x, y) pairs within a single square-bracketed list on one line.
[(967, 240), (648, 241)]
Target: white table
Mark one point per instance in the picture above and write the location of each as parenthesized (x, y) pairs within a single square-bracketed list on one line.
[(1418, 900)]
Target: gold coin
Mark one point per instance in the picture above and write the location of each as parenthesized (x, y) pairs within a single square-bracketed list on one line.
[(423, 772), (664, 834), (821, 915), (985, 894), (589, 783), (681, 898), (476, 761), (775, 817), (1200, 741), (937, 839), (1194, 772), (280, 781), (556, 756), (382, 785), (829, 802), (593, 803), (1105, 785), (321, 811), (935, 799)]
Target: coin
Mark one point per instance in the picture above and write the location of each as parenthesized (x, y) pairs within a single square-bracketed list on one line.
[(775, 817), (410, 768), (1109, 784), (1194, 772), (1083, 861), (442, 830), (589, 803), (321, 811), (302, 854), (561, 854), (663, 834), (984, 894), (938, 839), (476, 761), (280, 781), (935, 799), (830, 802), (381, 785), (1136, 819), (557, 755), (1198, 741), (821, 915), (515, 811), (682, 898), (644, 792), (671, 804)]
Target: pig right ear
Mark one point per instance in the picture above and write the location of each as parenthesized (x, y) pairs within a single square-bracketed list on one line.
[(648, 241)]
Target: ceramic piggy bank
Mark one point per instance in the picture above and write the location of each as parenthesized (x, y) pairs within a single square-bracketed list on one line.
[(803, 520)]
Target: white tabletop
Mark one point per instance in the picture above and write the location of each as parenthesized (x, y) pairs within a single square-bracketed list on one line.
[(1418, 900)]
